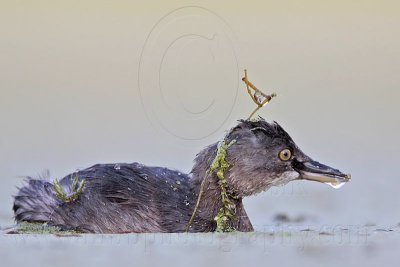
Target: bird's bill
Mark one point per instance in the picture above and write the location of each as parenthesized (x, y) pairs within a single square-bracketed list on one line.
[(315, 171)]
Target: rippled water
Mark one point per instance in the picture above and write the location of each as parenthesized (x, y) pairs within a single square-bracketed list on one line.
[(281, 245)]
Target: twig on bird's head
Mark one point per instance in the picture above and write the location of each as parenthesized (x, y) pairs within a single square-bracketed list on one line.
[(257, 96)]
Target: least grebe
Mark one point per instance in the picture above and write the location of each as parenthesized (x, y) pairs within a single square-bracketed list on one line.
[(122, 198)]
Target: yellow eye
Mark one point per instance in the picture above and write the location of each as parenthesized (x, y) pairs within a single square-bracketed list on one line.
[(285, 154)]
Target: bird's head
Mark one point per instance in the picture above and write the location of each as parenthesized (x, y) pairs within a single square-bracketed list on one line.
[(264, 155)]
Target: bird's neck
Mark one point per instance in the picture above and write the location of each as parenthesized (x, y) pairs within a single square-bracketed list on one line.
[(210, 202)]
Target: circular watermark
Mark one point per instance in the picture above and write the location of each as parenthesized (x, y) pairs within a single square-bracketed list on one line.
[(189, 73)]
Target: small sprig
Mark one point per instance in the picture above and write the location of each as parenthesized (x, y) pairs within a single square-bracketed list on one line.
[(257, 96), (227, 211), (76, 189)]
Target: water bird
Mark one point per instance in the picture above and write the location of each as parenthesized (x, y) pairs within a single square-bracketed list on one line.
[(131, 197)]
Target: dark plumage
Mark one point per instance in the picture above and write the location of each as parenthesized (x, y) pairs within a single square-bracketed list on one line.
[(122, 198)]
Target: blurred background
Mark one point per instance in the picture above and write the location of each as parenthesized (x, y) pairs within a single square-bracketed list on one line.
[(85, 82)]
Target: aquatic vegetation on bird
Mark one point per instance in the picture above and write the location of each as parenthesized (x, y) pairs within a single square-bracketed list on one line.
[(76, 189)]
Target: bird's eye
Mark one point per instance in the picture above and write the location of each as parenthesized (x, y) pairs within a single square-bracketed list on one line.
[(285, 154)]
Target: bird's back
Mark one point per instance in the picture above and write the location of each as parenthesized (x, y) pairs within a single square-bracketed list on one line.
[(116, 198)]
